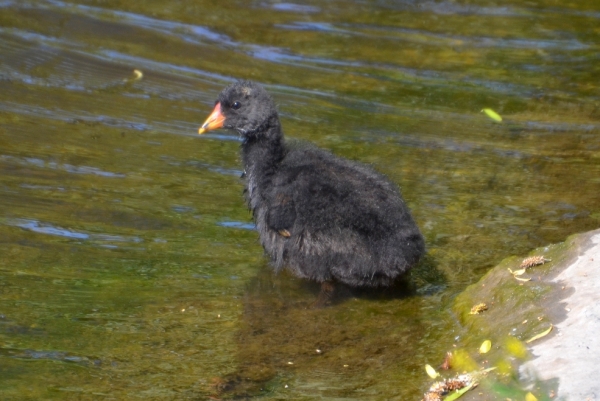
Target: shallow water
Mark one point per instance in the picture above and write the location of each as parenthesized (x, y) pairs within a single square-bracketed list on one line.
[(129, 263)]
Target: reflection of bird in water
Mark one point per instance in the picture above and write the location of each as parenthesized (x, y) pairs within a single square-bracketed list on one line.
[(322, 217)]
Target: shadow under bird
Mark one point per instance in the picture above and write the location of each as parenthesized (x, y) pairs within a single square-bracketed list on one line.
[(322, 217)]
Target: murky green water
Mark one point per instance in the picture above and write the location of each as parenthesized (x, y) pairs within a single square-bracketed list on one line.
[(128, 264)]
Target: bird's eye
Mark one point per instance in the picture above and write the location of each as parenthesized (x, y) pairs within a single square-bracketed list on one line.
[(236, 105)]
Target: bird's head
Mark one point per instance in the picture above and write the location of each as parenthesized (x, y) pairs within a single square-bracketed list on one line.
[(245, 107)]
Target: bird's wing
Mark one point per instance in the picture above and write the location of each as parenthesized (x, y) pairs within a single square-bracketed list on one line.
[(317, 192), (281, 211)]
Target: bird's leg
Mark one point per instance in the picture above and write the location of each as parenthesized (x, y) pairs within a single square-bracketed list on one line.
[(325, 295)]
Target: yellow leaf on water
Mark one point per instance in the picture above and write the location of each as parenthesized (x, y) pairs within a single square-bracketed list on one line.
[(461, 360), (486, 346), (519, 272), (492, 114), (431, 371), (505, 367), (516, 347), (538, 336), (522, 279), (530, 397)]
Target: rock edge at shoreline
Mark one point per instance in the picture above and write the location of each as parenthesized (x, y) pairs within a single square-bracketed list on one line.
[(571, 356), (563, 293)]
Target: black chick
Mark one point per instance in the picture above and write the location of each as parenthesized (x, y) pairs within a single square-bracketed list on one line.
[(324, 218)]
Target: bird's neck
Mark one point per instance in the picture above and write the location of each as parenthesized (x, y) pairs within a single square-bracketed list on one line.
[(263, 153)]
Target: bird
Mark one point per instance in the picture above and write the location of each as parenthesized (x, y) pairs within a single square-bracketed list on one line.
[(323, 217)]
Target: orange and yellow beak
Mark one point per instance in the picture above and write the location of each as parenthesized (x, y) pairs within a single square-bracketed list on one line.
[(214, 121)]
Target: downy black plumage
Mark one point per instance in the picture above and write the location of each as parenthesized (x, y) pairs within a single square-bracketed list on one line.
[(323, 217)]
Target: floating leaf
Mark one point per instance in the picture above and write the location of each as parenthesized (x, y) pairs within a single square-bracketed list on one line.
[(538, 336), (505, 367), (492, 114), (137, 74), (516, 347), (519, 272), (431, 371), (486, 346), (530, 397), (461, 360), (459, 393), (522, 279)]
